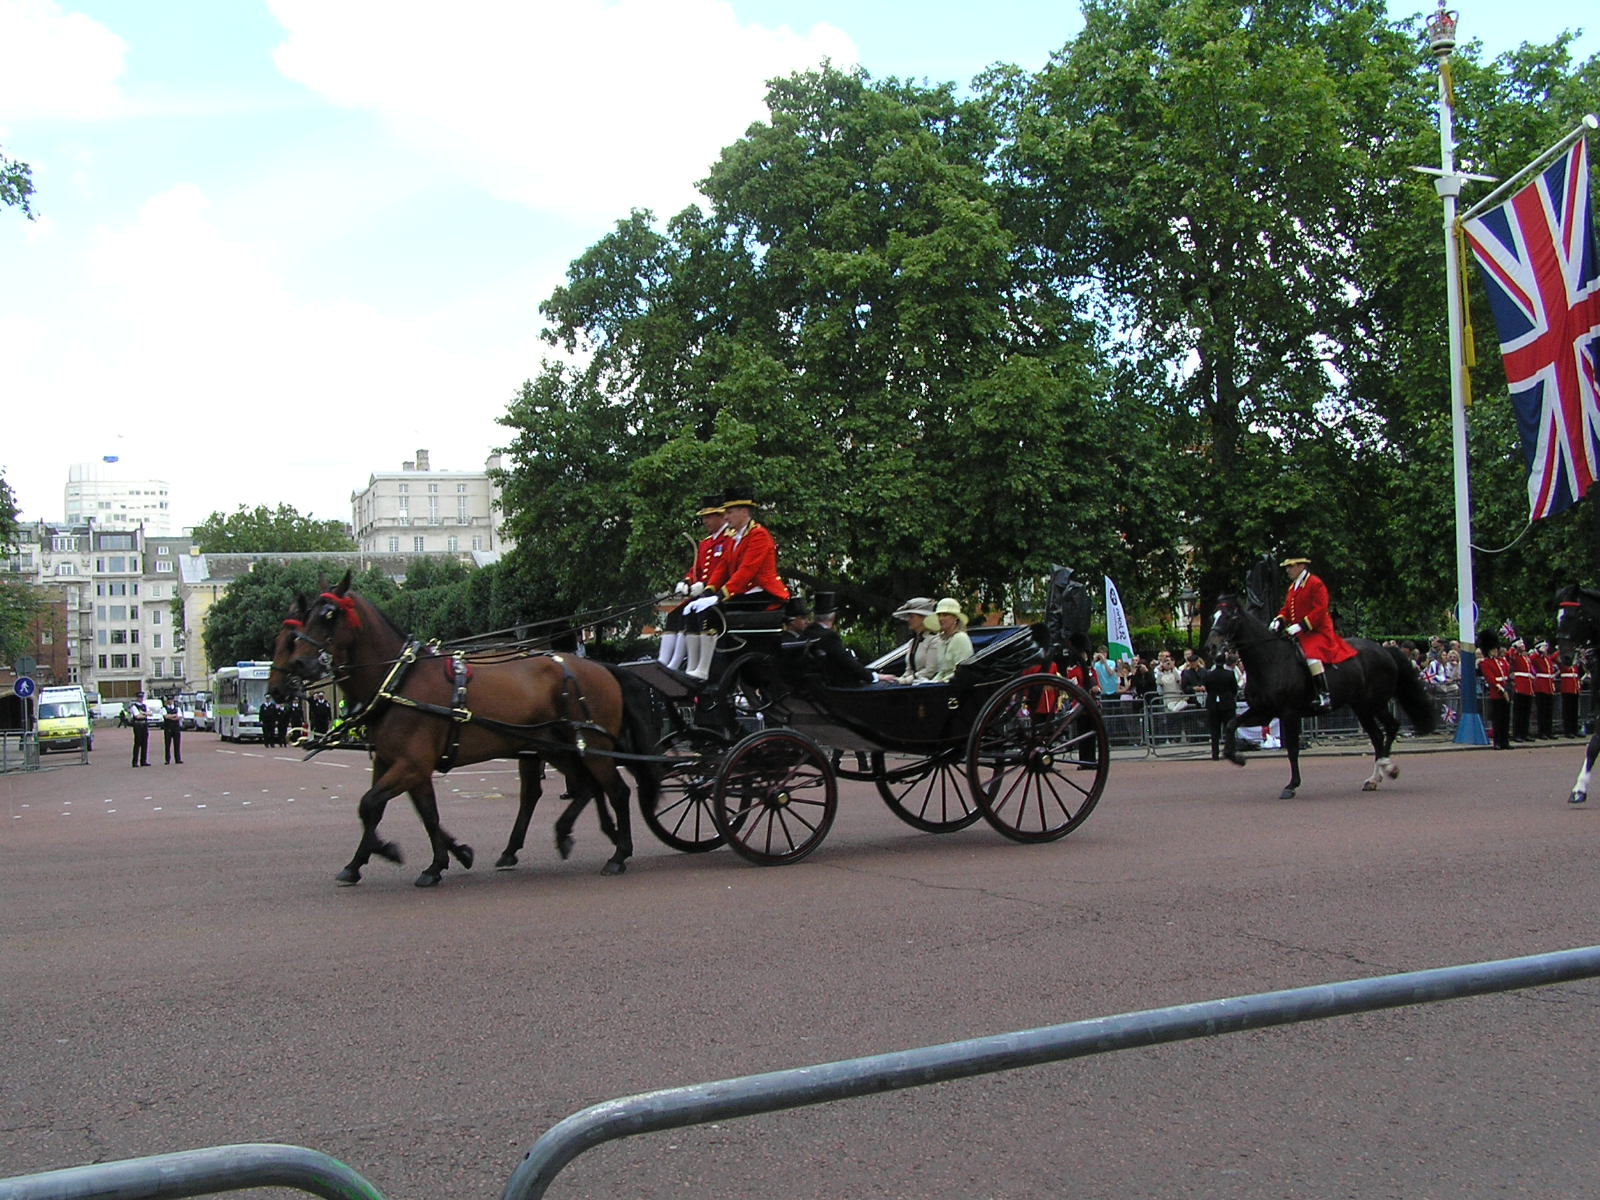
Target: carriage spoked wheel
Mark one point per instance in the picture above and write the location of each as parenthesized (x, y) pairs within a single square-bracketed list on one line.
[(774, 797), (683, 817), (932, 794), (1038, 757)]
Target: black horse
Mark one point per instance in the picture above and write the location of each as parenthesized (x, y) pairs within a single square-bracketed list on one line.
[(1277, 684), (1578, 624)]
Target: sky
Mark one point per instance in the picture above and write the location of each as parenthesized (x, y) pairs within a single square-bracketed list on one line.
[(283, 244)]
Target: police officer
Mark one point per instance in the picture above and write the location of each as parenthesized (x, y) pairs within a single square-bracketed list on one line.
[(139, 717)]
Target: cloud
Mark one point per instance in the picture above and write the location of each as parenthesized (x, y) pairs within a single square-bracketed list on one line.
[(582, 108), (70, 68)]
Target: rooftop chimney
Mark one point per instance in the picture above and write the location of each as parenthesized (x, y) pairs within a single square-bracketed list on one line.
[(422, 460)]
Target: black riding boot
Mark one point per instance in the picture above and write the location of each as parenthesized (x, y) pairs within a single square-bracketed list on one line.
[(1321, 701)]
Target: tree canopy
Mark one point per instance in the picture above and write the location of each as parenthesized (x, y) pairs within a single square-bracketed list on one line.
[(261, 530), (17, 602), (1170, 302), (16, 185)]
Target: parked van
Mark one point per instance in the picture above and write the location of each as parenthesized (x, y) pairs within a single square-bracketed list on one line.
[(64, 719)]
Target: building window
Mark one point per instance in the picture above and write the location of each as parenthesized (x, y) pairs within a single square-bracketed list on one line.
[(433, 510), (394, 545), (477, 543), (118, 612), (163, 550), (155, 666), (461, 487), (155, 641), (416, 545), (119, 662), (155, 616), (133, 636), (67, 545), (433, 489), (119, 637), (461, 510), (133, 661), (405, 489), (102, 662), (163, 566), (452, 544), (102, 636), (66, 569)]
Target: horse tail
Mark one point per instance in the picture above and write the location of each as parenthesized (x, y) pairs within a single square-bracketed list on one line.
[(1409, 693), (641, 732)]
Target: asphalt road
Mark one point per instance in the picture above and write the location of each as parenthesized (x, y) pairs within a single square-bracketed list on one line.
[(180, 970)]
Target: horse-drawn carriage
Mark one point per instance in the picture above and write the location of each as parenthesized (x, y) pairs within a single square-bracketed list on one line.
[(751, 758)]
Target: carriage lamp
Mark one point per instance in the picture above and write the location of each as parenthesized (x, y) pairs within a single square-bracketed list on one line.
[(1442, 31)]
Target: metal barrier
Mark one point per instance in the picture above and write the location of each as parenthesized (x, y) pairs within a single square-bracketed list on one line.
[(18, 751), (232, 1168)]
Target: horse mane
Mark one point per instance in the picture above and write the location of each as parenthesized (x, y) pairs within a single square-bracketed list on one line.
[(371, 607)]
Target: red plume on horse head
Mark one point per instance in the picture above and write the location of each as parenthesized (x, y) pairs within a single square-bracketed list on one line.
[(340, 595)]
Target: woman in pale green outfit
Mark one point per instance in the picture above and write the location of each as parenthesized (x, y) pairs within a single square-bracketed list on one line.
[(954, 646)]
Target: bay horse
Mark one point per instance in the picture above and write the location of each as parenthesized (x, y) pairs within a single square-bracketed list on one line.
[(425, 711), (1578, 624), (1277, 684)]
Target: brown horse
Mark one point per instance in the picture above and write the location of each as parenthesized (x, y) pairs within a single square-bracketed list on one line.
[(425, 711)]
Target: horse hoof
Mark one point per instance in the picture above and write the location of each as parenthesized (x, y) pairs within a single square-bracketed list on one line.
[(463, 853), (348, 877), (390, 851), (613, 867), (1235, 759), (564, 846), (1392, 771), (426, 879), (505, 862), (1286, 794), (1577, 797), (1369, 786)]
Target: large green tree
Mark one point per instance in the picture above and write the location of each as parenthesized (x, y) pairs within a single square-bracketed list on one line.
[(261, 530), (845, 330), (16, 185), (243, 623), (17, 603)]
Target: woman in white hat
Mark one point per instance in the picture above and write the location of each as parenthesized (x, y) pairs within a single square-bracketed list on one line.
[(954, 646), (922, 654)]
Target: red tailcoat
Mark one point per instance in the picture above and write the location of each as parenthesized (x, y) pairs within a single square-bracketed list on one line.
[(750, 564), (1307, 606), (712, 550)]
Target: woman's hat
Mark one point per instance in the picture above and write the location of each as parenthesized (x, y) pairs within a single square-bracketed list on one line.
[(743, 495), (918, 606), (952, 606), (710, 506)]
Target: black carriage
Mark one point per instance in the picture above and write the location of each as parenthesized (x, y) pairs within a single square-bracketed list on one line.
[(754, 758)]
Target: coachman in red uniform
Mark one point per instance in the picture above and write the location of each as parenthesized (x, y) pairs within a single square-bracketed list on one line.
[(745, 579), (1305, 615), (674, 646)]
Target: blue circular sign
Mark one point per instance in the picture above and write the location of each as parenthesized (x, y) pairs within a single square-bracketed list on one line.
[(24, 686)]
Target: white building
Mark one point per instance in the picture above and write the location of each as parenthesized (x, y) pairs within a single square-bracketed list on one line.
[(108, 494), (417, 510)]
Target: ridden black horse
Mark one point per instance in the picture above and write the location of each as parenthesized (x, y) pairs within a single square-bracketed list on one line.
[(1277, 684), (1578, 624)]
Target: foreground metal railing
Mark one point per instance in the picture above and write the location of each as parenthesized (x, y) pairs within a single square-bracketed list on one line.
[(225, 1168)]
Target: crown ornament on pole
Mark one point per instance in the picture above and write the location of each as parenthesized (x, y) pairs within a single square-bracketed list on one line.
[(1442, 31)]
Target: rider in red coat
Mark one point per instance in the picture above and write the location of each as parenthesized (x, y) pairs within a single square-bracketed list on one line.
[(1304, 615)]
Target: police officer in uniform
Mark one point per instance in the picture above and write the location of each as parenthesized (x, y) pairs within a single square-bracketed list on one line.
[(1305, 616)]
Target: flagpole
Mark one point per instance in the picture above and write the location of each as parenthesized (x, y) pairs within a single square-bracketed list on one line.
[(1469, 725), (1587, 125)]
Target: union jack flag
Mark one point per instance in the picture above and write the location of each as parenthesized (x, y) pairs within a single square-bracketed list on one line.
[(1538, 259)]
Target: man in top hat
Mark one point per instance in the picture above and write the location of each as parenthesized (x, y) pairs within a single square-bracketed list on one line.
[(675, 645), (816, 638), (1305, 616), (744, 580)]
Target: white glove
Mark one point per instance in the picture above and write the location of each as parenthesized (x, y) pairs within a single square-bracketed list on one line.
[(1275, 624), (1294, 629), (701, 604), (699, 589), (681, 588)]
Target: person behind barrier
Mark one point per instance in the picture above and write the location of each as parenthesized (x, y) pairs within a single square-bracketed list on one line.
[(953, 645), (674, 651), (745, 580), (1305, 613)]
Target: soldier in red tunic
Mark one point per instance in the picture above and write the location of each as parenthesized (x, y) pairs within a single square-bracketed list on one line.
[(712, 548), (1495, 670), (1570, 685), (1544, 690), (1521, 690), (1305, 615)]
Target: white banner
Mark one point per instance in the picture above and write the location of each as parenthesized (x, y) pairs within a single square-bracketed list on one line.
[(1119, 642)]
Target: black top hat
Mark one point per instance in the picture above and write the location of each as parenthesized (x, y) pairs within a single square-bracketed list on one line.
[(796, 607), (741, 494), (825, 603), (710, 506)]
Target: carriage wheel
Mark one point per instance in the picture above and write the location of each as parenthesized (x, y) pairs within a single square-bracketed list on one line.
[(774, 798), (930, 794), (683, 817), (1038, 757)]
